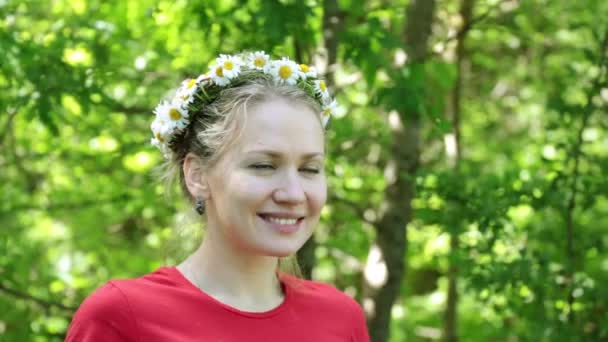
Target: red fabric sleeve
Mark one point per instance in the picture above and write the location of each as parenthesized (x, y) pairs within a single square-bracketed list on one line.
[(360, 332), (104, 316)]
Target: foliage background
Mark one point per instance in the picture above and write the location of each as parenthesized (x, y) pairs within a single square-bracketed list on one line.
[(509, 217)]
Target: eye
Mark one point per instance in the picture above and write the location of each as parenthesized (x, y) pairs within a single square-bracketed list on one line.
[(310, 170), (262, 166)]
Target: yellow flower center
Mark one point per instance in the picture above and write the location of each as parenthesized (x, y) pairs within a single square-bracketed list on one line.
[(327, 112), (219, 72), (304, 67), (191, 83), (285, 72), (160, 137), (174, 114), (259, 62), (322, 86), (228, 65)]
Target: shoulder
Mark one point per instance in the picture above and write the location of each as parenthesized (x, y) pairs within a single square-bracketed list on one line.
[(108, 313), (320, 293), (104, 301), (328, 301), (103, 314)]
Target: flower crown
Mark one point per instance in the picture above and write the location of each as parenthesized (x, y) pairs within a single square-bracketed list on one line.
[(174, 115)]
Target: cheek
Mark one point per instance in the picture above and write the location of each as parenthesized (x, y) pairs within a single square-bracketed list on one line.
[(318, 194), (249, 190)]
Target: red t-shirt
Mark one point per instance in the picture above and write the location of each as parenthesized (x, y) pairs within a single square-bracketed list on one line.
[(165, 306)]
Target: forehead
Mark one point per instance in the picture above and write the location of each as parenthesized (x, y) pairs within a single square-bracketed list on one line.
[(282, 126)]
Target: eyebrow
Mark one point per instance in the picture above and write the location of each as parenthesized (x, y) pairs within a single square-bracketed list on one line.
[(276, 154)]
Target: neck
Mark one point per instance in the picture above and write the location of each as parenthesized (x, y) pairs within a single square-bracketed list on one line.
[(237, 278)]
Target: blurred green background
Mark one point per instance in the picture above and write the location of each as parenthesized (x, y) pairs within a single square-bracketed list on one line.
[(467, 173)]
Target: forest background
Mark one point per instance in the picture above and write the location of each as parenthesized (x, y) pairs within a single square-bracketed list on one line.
[(467, 171)]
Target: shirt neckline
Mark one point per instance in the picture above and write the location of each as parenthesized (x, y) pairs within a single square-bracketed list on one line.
[(264, 314)]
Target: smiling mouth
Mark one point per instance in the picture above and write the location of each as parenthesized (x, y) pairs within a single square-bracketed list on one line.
[(285, 221)]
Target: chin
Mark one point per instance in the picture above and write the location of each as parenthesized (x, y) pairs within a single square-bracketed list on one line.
[(281, 253), (280, 245), (286, 249)]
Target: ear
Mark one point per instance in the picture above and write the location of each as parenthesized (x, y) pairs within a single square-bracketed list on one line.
[(194, 176)]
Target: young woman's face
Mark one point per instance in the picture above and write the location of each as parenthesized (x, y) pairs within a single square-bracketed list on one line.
[(268, 189)]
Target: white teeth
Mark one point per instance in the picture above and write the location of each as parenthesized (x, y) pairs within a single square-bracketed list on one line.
[(281, 220)]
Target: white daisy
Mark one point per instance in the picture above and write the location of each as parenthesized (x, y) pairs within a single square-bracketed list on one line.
[(321, 89), (286, 71), (328, 111), (173, 114), (202, 78), (185, 93), (155, 142), (308, 71), (158, 142), (161, 131), (259, 60), (231, 65), (217, 75), (163, 147)]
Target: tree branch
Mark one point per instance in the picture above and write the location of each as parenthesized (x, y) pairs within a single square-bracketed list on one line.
[(451, 312), (467, 26), (7, 126), (39, 301), (66, 205)]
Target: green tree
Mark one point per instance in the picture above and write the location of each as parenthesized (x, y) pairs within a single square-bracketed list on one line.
[(466, 170)]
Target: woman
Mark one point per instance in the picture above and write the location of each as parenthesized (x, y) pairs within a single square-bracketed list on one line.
[(246, 141)]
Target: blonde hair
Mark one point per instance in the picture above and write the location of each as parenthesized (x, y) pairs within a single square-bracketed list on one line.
[(219, 123)]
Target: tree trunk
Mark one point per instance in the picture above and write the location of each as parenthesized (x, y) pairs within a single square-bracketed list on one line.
[(451, 313), (405, 148), (332, 25)]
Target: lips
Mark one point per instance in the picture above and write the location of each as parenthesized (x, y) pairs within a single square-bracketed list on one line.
[(279, 216), (284, 223), (283, 219)]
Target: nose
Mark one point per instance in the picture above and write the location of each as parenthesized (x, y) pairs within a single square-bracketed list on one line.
[(290, 190)]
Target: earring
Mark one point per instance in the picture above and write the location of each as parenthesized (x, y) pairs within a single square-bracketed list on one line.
[(200, 205)]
